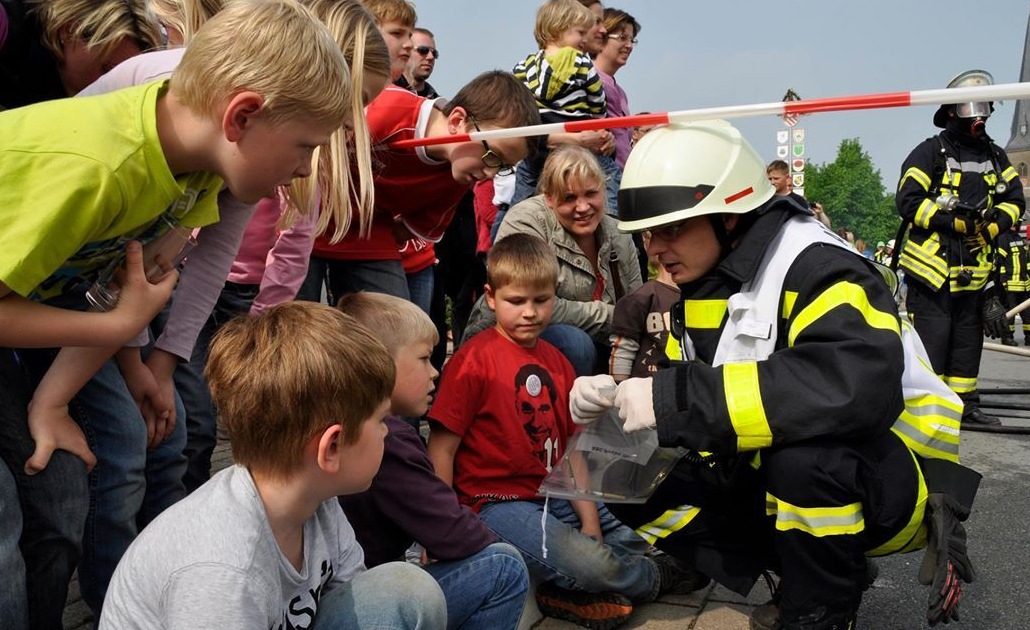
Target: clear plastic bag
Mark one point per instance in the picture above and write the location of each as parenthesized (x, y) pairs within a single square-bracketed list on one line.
[(603, 463)]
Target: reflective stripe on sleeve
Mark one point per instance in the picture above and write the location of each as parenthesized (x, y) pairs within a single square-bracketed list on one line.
[(842, 294), (744, 404)]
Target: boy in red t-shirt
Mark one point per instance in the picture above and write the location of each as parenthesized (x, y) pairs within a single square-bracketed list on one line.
[(417, 190), (500, 424)]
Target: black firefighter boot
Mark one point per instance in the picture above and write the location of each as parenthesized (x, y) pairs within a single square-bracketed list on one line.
[(975, 417)]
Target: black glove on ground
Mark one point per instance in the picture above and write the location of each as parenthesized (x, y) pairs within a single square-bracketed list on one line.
[(946, 563)]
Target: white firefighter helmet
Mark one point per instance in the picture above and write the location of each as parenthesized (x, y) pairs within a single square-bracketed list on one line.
[(969, 78), (684, 170)]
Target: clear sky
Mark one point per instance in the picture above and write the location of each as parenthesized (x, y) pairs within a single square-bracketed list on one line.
[(722, 52)]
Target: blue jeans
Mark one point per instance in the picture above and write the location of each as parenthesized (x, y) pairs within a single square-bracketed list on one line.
[(130, 485), (485, 590), (201, 421), (14, 605), (53, 504), (420, 287), (341, 277), (577, 346), (390, 596), (618, 565)]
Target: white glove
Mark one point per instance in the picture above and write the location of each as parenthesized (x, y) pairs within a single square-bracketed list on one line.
[(590, 397), (635, 405)]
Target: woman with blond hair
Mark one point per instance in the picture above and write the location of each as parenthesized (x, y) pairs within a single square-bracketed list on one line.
[(597, 264)]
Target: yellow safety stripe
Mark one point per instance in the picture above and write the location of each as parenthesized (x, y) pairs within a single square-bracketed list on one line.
[(927, 209), (817, 521), (980, 275), (922, 261), (789, 298), (920, 178), (704, 313), (929, 425), (1010, 209), (671, 521), (842, 294), (744, 404), (1009, 174), (673, 350), (913, 535), (960, 384)]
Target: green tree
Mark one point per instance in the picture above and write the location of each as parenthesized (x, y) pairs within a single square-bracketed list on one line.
[(853, 194)]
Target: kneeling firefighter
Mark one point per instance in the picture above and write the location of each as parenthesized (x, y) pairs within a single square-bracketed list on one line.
[(817, 437)]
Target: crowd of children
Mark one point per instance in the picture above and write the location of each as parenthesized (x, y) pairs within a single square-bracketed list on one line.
[(263, 129)]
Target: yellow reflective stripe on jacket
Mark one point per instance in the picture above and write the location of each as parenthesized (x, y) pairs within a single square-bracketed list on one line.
[(789, 298), (1010, 209), (922, 261), (673, 350), (817, 521), (744, 405), (671, 521), (925, 212), (960, 384), (929, 425), (979, 278), (842, 294), (704, 313), (913, 535), (920, 178)]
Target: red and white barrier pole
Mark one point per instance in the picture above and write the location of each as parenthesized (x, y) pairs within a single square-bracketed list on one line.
[(779, 108)]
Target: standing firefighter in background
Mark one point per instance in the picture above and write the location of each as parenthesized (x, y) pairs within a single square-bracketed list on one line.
[(817, 435), (1014, 268), (958, 191)]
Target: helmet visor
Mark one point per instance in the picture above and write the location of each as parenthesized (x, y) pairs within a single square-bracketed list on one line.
[(973, 110)]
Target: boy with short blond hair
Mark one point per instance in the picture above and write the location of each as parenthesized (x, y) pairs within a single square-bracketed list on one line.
[(418, 189), (484, 581), (302, 390), (499, 425), (564, 83), (84, 177)]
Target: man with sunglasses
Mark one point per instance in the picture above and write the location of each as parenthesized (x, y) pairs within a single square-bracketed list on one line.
[(421, 65), (794, 389)]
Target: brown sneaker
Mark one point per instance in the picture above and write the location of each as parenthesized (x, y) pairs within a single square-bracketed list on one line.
[(599, 611)]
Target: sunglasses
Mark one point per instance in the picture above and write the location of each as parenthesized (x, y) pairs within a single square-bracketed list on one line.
[(491, 159), (425, 50)]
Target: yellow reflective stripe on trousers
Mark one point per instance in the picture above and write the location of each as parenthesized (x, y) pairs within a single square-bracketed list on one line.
[(671, 521), (704, 313), (842, 294), (744, 404), (960, 384), (913, 535), (817, 521)]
